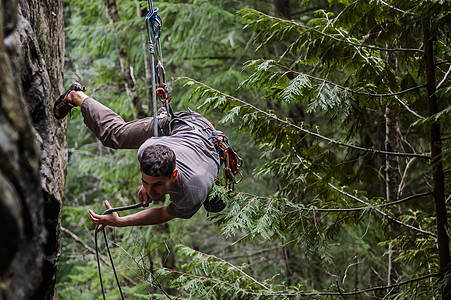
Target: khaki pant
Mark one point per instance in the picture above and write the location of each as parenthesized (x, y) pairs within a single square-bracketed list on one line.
[(115, 133)]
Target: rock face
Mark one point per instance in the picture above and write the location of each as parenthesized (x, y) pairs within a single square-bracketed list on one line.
[(32, 146)]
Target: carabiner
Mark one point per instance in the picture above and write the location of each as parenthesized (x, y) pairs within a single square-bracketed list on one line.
[(153, 19)]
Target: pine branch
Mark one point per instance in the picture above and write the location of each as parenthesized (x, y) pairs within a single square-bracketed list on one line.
[(319, 293), (249, 203), (204, 278), (394, 8), (267, 211), (363, 207), (375, 208), (335, 38), (409, 163), (81, 242), (299, 128), (405, 199), (408, 108), (383, 213), (346, 89), (444, 78), (353, 209), (211, 57), (260, 252), (234, 268), (373, 288), (442, 62)]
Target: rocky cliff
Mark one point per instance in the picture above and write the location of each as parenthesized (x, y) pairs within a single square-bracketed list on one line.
[(32, 146)]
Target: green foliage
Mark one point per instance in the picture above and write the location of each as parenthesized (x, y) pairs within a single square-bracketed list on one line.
[(306, 106), (212, 277)]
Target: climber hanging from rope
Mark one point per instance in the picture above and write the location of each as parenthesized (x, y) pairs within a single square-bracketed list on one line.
[(179, 154), (182, 161)]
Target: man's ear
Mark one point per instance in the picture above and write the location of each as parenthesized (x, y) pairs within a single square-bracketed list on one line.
[(175, 175)]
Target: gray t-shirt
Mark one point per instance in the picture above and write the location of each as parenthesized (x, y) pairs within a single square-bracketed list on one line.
[(197, 162)]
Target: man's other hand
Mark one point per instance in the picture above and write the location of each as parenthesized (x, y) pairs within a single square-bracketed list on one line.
[(143, 197), (112, 219)]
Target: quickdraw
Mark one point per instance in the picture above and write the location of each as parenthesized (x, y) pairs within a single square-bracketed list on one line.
[(153, 24), (231, 160)]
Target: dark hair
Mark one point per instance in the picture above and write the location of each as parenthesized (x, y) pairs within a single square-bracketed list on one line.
[(157, 160)]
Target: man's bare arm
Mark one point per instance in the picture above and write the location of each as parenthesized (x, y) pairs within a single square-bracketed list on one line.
[(150, 216)]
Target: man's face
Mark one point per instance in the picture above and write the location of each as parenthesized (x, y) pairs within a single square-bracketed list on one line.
[(157, 187)]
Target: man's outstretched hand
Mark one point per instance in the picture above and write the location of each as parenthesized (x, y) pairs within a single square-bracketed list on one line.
[(112, 219), (143, 197)]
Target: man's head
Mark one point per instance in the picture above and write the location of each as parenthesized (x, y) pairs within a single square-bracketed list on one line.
[(158, 170), (157, 160)]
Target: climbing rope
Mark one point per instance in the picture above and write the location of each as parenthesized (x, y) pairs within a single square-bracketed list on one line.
[(151, 16), (109, 211), (153, 26)]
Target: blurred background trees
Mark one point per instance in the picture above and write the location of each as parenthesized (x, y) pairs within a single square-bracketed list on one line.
[(340, 111)]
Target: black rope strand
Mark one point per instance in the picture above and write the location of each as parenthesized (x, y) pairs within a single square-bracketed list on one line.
[(106, 212), (112, 264), (154, 279), (98, 262)]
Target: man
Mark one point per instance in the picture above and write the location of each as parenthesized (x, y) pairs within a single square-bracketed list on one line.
[(181, 162)]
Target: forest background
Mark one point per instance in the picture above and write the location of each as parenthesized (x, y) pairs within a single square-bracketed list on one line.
[(340, 111)]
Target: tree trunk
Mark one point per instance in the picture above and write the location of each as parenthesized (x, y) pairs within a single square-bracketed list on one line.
[(32, 147), (436, 161), (392, 174)]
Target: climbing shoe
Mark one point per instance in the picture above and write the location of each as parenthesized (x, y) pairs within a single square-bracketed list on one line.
[(63, 106)]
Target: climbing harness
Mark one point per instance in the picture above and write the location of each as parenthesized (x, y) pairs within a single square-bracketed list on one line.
[(228, 157)]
